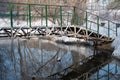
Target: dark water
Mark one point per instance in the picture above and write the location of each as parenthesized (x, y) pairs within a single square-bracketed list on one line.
[(26, 59)]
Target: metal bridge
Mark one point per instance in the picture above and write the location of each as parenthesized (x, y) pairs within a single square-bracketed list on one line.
[(27, 20), (21, 19)]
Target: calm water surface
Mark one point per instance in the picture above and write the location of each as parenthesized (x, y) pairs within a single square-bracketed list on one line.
[(23, 59)]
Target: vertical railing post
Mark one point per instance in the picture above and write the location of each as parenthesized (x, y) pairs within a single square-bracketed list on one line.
[(29, 14), (108, 71), (108, 28), (55, 15), (98, 74), (116, 68), (74, 16), (11, 15), (98, 25), (42, 15), (46, 13), (116, 31), (11, 18), (68, 18), (86, 20), (61, 17), (74, 21)]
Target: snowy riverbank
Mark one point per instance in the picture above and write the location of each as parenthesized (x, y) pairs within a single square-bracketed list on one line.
[(116, 45)]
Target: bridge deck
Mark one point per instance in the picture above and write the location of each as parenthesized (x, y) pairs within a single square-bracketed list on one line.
[(71, 31)]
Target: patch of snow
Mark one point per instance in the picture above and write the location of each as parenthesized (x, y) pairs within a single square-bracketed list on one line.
[(105, 15), (114, 16), (116, 52), (5, 22), (66, 39), (116, 45), (116, 42)]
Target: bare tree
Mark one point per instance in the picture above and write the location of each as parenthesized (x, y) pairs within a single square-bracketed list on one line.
[(54, 10), (79, 11), (114, 5)]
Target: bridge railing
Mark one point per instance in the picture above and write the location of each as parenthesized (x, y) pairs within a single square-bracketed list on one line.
[(37, 15), (101, 25)]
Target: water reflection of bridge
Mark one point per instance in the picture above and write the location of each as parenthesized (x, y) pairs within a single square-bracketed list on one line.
[(38, 59), (79, 69), (100, 67)]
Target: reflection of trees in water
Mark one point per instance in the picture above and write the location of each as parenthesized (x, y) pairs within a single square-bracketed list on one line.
[(76, 57), (2, 67), (21, 59), (28, 60), (8, 60), (51, 61), (22, 71), (39, 61), (13, 57)]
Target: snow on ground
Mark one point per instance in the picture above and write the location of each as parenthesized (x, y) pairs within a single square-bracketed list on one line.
[(67, 39), (5, 22), (116, 45), (105, 15), (114, 16)]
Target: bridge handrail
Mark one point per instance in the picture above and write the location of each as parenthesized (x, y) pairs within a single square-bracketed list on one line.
[(60, 16), (57, 6)]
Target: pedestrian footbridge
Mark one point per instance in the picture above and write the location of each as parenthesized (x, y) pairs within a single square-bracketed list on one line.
[(28, 20)]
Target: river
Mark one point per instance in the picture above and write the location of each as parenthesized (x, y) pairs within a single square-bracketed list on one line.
[(38, 59)]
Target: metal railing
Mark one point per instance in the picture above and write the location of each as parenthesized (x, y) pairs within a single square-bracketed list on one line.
[(61, 16)]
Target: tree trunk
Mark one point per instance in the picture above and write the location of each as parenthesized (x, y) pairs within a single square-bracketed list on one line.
[(78, 13)]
